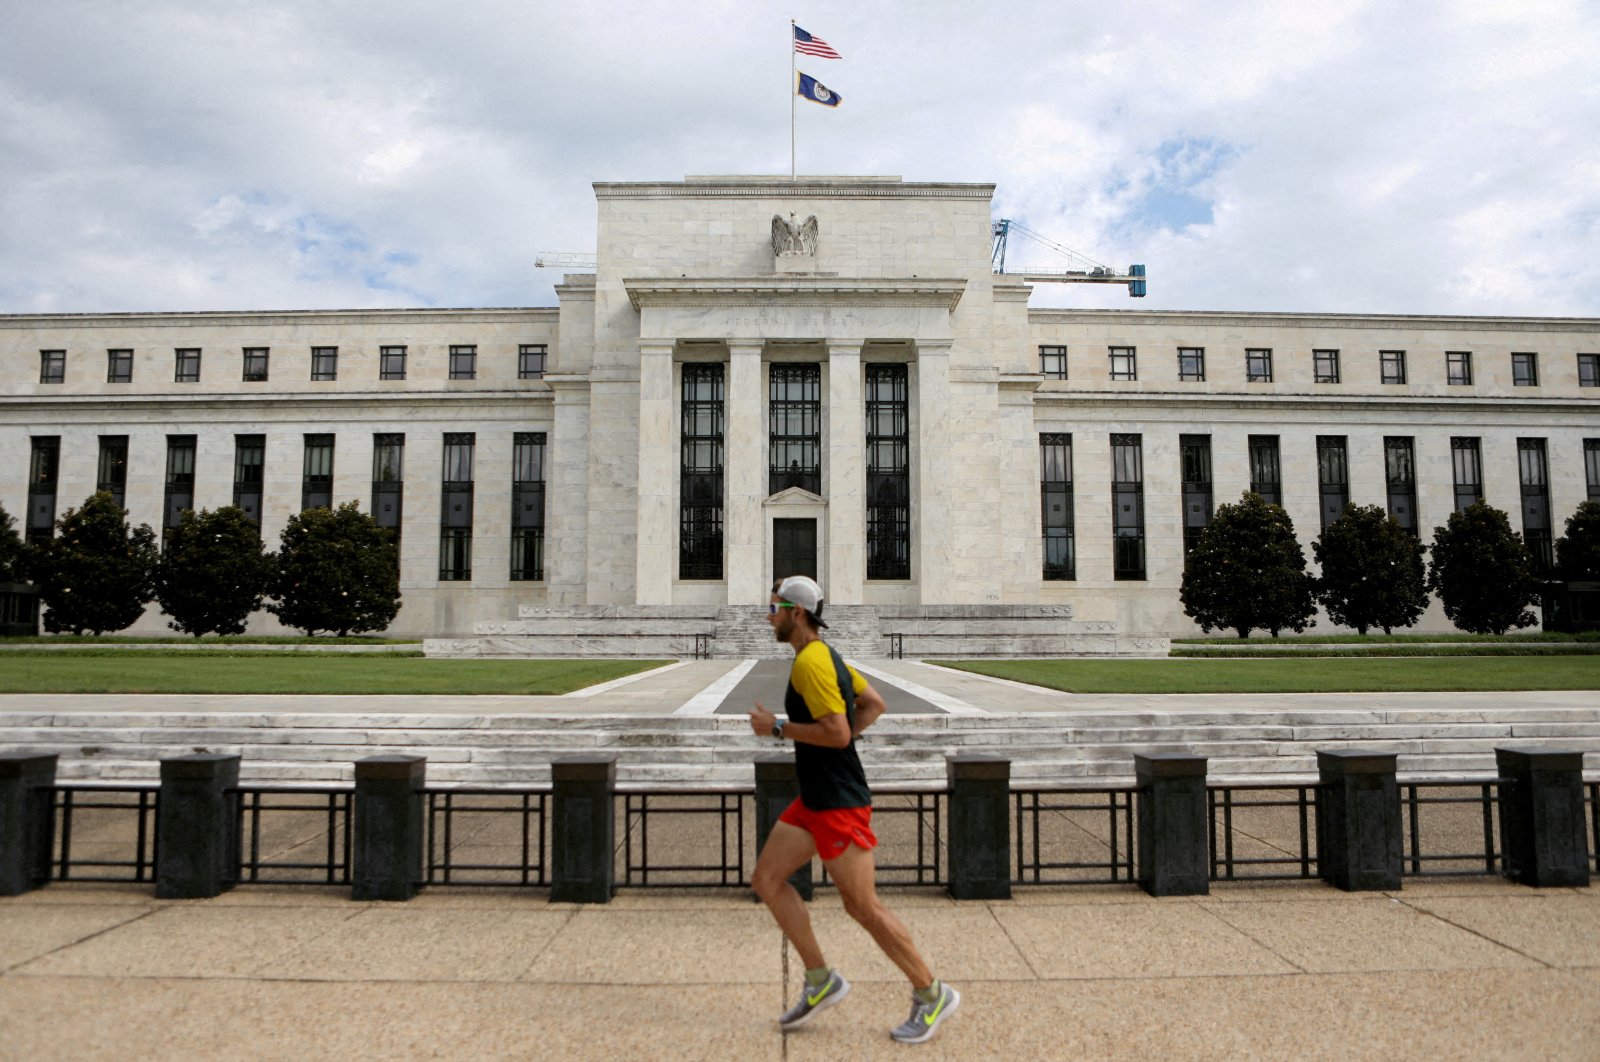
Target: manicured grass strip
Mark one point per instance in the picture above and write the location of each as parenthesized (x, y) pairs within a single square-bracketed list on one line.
[(158, 671), (1297, 675), (1267, 652), (1398, 639), (209, 639)]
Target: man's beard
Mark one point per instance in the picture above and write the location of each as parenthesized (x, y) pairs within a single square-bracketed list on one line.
[(779, 634)]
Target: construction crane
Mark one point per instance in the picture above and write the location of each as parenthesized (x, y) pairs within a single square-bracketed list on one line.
[(1091, 273), (563, 260)]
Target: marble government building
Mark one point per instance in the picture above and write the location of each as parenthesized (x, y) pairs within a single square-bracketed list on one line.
[(734, 394)]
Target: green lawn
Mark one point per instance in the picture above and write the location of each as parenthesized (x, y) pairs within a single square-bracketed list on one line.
[(223, 671), (1300, 675)]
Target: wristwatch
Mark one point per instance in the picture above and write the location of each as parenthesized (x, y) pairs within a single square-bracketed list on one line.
[(777, 730)]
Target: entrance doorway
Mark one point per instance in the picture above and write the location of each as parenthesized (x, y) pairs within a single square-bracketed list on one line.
[(794, 548)]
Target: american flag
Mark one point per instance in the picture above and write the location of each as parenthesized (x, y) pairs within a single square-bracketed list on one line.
[(806, 44)]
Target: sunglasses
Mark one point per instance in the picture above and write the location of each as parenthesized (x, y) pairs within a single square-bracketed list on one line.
[(772, 610)]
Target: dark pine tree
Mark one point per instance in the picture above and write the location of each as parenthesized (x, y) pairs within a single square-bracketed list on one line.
[(1248, 570), (1482, 572), (214, 572), (336, 572), (97, 574), (1373, 573), (1578, 550)]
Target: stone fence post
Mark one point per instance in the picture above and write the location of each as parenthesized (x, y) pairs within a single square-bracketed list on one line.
[(980, 827), (1358, 820), (1543, 839), (388, 828), (583, 859), (1174, 843), (776, 788), (27, 821), (197, 826)]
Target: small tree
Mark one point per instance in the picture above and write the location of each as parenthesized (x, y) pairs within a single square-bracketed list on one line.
[(1578, 551), (1482, 572), (1247, 570), (12, 551), (1373, 573), (96, 574), (336, 572), (214, 572)]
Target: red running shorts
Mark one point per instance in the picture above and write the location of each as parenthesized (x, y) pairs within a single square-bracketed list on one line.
[(834, 829)]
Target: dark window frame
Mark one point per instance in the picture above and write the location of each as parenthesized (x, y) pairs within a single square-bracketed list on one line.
[(701, 470), (794, 427), (119, 365), (186, 365), (111, 468), (1391, 367), (324, 364), (888, 428), (1195, 476), (1266, 467), (250, 474), (1333, 477), (1053, 361), (533, 360), (392, 363), (464, 361), (1466, 470), (388, 483), (178, 487), (1524, 368), (1533, 478), (1325, 365), (1458, 368), (1589, 370), (456, 501), (1056, 511), (256, 364), (52, 366), (1591, 468), (1400, 481), (528, 468), (316, 471), (1128, 562), (1258, 365), (44, 482), (1124, 363), (1191, 364)]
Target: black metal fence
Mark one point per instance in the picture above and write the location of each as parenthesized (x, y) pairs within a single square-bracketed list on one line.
[(1262, 832), (93, 838), (1073, 836), (297, 836), (487, 837)]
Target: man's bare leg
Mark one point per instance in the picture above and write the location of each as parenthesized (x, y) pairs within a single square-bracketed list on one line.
[(788, 848), (854, 873)]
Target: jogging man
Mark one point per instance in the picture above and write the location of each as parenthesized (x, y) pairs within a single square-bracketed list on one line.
[(827, 704)]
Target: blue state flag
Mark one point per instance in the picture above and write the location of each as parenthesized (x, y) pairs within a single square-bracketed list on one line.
[(815, 91)]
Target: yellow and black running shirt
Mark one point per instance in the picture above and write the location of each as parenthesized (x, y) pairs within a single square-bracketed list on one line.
[(822, 684)]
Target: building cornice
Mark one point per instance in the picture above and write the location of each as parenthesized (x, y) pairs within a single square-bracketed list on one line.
[(784, 188), (1246, 319), (788, 290), (468, 315), (77, 404)]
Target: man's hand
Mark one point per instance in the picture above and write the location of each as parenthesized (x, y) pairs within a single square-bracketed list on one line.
[(762, 721)]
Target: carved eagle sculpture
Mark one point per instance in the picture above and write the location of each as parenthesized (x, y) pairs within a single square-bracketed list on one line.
[(791, 238)]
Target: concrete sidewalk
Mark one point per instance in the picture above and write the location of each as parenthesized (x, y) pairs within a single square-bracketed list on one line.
[(1471, 968)]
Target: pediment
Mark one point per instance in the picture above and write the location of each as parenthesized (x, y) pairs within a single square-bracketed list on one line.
[(794, 497)]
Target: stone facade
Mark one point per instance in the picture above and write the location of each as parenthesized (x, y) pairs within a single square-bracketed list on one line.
[(691, 273)]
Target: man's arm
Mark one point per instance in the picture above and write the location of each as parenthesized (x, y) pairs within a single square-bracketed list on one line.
[(831, 731), (869, 705)]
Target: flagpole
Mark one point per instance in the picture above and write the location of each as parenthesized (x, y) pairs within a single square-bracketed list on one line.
[(793, 105)]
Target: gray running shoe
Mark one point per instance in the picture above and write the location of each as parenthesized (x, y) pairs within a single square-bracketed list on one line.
[(926, 1017), (815, 1000)]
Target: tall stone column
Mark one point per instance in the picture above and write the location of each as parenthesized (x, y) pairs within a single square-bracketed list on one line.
[(744, 477), (566, 550), (657, 560), (934, 486), (846, 543)]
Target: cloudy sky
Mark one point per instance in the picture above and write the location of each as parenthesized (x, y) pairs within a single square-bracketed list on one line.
[(1340, 155)]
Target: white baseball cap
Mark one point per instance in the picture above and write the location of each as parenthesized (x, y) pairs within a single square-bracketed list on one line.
[(803, 590)]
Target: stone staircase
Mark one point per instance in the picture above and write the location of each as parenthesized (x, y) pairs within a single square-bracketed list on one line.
[(743, 633), (901, 751)]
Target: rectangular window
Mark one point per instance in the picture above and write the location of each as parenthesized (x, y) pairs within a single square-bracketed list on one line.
[(316, 474), (1525, 370), (463, 363), (119, 366), (1258, 365), (1333, 477), (531, 358), (1466, 462), (794, 434), (1266, 476), (179, 484), (1055, 505), (1053, 362), (52, 366), (1458, 368), (527, 505), (324, 363), (1589, 370), (1127, 506), (1591, 467), (1535, 476), (44, 467), (455, 507), (249, 467), (112, 475), (1400, 473), (1192, 364), (888, 472), (391, 363), (700, 472), (186, 365), (1392, 366), (1194, 454), (255, 364), (1325, 366), (1124, 363), (388, 482)]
